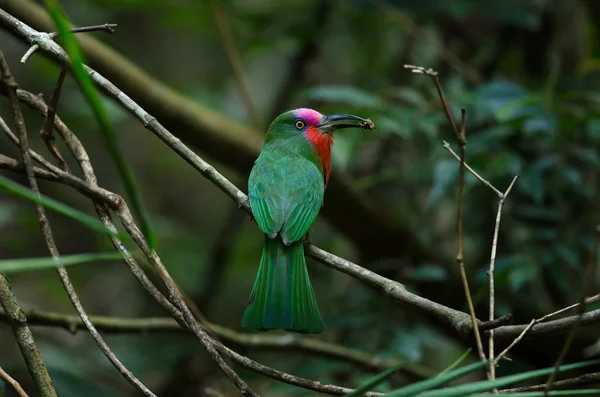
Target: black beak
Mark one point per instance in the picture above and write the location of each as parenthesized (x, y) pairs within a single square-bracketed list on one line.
[(335, 122)]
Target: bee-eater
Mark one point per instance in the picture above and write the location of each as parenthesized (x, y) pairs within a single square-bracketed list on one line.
[(286, 189)]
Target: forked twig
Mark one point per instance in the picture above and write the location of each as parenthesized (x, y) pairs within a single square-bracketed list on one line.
[(107, 27), (532, 323)]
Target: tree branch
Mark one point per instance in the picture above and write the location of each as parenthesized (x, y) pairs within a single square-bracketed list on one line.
[(15, 385), (25, 340), (286, 342)]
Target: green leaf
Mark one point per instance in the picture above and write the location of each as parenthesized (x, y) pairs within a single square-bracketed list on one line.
[(374, 381), (56, 206), (476, 387), (29, 264), (436, 381), (89, 90)]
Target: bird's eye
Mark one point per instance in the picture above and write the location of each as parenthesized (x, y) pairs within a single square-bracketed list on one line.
[(299, 124)]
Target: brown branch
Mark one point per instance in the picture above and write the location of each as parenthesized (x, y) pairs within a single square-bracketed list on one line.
[(11, 381), (11, 86), (48, 127), (270, 342), (374, 232), (25, 340), (589, 276)]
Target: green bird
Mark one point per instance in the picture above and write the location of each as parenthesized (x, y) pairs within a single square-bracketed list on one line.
[(286, 188)]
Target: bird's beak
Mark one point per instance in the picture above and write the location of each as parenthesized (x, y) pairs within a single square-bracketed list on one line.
[(330, 124)]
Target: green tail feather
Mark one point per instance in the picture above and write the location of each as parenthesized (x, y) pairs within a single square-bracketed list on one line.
[(282, 296)]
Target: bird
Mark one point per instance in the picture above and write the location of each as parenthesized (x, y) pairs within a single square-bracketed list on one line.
[(286, 188)]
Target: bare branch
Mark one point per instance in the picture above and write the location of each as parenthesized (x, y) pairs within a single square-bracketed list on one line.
[(472, 171), (25, 340), (15, 385), (270, 342), (48, 127)]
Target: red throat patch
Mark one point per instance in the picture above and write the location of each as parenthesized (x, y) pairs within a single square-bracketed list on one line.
[(322, 142)]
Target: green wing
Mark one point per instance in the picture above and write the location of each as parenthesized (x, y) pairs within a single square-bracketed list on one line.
[(286, 194)]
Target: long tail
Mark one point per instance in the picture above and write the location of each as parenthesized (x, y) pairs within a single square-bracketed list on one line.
[(282, 296)]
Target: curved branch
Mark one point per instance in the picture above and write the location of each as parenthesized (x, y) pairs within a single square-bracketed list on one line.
[(372, 229)]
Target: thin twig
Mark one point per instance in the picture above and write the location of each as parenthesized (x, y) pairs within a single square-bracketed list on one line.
[(286, 342), (492, 311), (589, 276), (461, 139), (48, 127), (11, 381), (107, 27), (235, 60), (47, 230), (472, 171), (566, 324)]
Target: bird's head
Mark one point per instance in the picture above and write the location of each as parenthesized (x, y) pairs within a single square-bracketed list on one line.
[(314, 124)]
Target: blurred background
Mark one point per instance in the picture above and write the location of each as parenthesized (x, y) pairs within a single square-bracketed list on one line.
[(528, 73)]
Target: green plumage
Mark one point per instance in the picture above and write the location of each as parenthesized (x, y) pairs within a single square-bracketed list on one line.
[(285, 189)]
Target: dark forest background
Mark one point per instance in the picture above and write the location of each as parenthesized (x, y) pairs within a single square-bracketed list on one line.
[(527, 71)]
